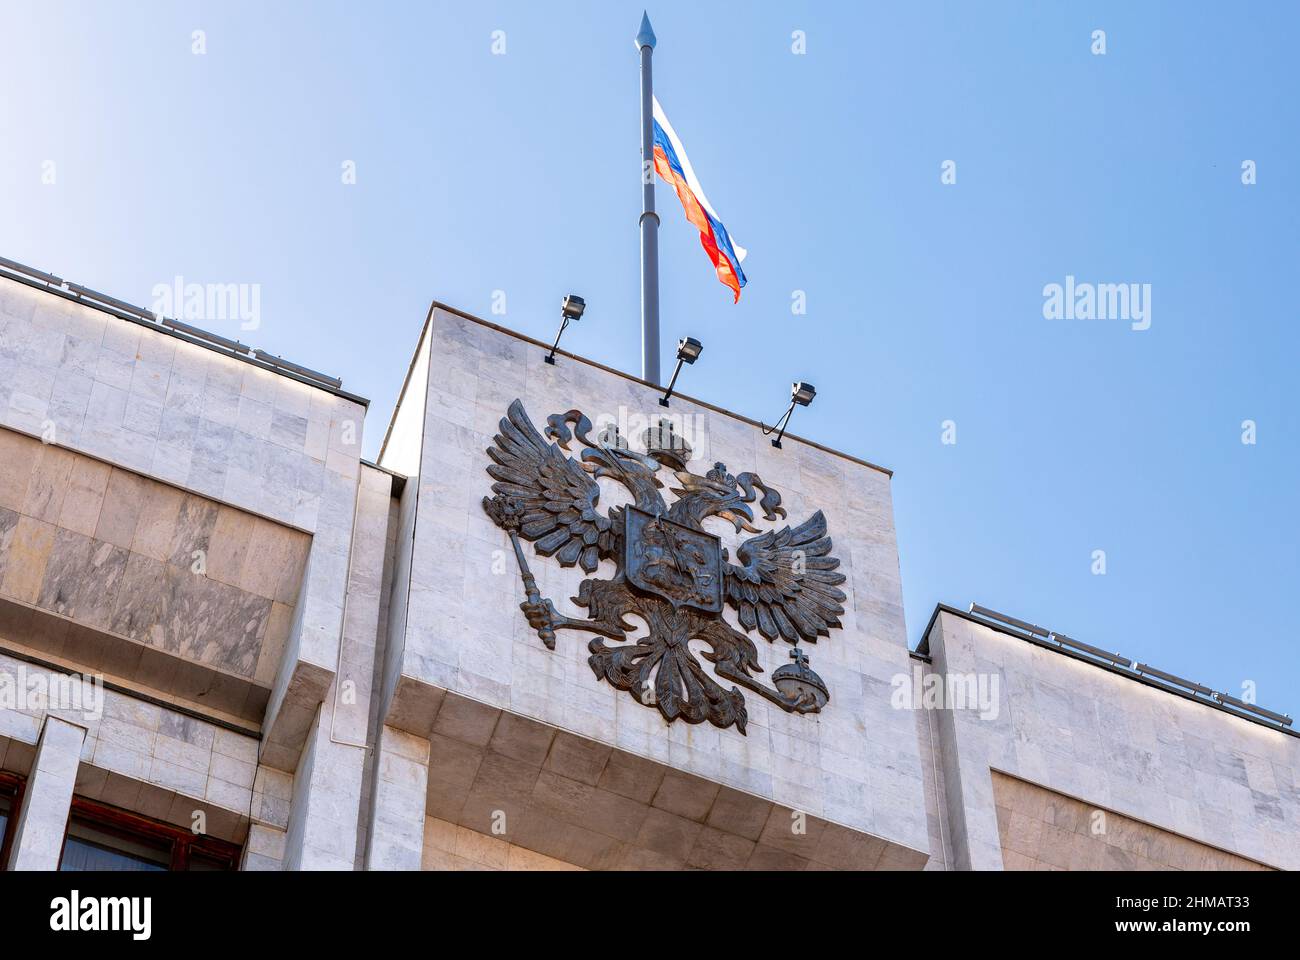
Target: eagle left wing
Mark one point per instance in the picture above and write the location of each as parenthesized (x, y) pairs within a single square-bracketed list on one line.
[(786, 583)]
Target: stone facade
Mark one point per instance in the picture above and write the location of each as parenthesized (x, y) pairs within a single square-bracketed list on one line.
[(1101, 741), (323, 660), (856, 765), (1040, 829), (114, 553), (139, 756)]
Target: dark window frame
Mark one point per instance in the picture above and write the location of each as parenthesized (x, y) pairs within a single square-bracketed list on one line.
[(14, 785), (183, 844)]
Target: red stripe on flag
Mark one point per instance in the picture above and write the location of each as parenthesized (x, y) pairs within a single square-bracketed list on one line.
[(696, 215)]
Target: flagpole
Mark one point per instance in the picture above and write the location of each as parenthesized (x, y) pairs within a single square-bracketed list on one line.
[(645, 42)]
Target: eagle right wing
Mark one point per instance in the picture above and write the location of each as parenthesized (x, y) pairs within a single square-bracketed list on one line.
[(557, 496)]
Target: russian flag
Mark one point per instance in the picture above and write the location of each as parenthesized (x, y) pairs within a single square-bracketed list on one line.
[(672, 164)]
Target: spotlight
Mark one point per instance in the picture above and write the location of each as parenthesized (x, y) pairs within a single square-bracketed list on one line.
[(1116, 658), (801, 394), (185, 328), (1032, 628), (570, 309), (1146, 668), (688, 351), (85, 293), (46, 278), (572, 306), (302, 371), (1281, 718)]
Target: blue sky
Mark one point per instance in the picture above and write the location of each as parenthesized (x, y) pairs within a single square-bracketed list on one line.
[(478, 172)]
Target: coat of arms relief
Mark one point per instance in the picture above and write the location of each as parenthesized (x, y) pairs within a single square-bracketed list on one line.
[(670, 571)]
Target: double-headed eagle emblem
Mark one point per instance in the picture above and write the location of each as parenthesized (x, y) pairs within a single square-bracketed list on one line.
[(670, 571)]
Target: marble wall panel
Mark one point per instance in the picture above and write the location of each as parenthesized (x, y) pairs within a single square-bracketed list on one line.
[(1043, 830), (1111, 743), (149, 759), (127, 555), (141, 399), (857, 763)]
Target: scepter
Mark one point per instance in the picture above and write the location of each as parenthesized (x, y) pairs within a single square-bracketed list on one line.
[(507, 514)]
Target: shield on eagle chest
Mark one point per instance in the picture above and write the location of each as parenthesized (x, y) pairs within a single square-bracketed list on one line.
[(682, 565)]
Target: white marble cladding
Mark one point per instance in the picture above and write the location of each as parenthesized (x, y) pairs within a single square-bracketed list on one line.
[(1107, 740), (38, 839), (857, 763), (146, 758), (217, 426), (159, 406)]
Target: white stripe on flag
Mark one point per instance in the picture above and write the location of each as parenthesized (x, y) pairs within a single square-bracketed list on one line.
[(691, 180)]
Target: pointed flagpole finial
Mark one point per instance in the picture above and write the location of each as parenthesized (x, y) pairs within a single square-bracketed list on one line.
[(646, 35)]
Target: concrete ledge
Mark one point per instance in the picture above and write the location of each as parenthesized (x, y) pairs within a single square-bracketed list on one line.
[(290, 716), (414, 706), (591, 805)]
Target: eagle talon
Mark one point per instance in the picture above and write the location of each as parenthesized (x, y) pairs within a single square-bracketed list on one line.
[(802, 703), (806, 703), (541, 616)]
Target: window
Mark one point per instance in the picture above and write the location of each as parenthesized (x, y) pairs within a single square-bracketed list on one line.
[(100, 837), (88, 846), (11, 793)]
